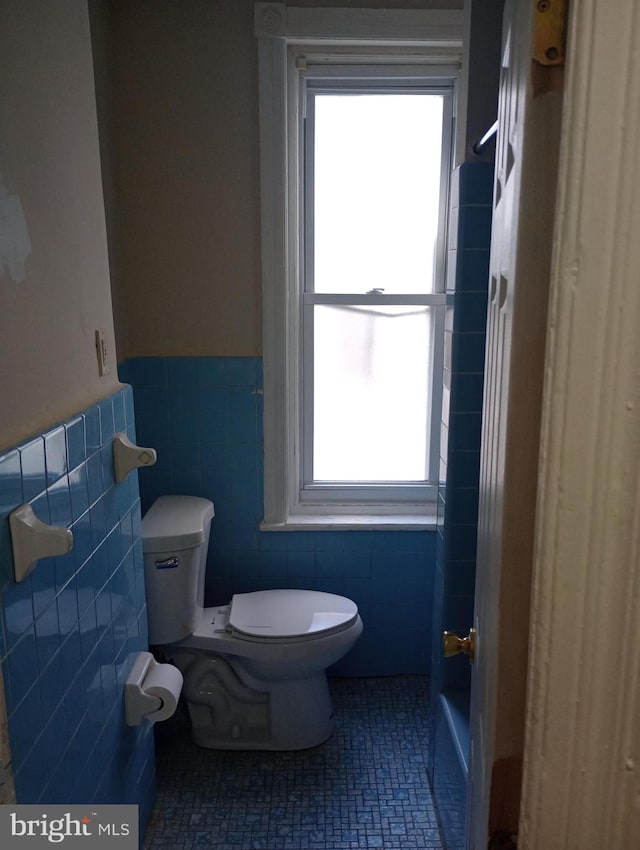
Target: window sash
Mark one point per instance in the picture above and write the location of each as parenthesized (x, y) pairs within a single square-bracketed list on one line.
[(312, 494), (353, 80), (311, 490)]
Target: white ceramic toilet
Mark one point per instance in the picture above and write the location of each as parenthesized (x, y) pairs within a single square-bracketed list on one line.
[(254, 669)]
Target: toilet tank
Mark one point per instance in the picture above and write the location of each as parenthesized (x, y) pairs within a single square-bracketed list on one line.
[(175, 538)]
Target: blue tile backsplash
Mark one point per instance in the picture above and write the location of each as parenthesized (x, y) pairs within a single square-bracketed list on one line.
[(204, 418), (70, 631)]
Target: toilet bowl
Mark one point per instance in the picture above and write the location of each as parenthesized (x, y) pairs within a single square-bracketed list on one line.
[(255, 668)]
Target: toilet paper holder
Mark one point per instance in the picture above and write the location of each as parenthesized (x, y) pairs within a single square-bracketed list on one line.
[(151, 691)]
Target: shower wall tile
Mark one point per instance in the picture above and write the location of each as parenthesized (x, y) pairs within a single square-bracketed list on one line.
[(475, 185), (472, 270), (474, 227), (204, 417), (463, 468), (462, 507), (70, 631), (470, 311), (465, 429), (467, 284)]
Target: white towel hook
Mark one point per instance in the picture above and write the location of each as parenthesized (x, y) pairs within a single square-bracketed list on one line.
[(127, 456), (33, 539)]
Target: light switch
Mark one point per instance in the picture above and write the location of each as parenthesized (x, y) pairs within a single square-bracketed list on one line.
[(103, 355)]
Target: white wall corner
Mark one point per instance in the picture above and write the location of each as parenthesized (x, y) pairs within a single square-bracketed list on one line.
[(270, 20)]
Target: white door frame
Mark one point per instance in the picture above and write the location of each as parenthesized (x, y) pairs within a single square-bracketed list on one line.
[(582, 753)]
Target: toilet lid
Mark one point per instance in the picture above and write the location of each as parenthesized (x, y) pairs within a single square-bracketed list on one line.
[(290, 613)]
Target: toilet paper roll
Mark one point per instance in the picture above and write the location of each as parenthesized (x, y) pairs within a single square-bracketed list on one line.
[(163, 681)]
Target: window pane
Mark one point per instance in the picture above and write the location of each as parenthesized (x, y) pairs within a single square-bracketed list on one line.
[(376, 191), (371, 380)]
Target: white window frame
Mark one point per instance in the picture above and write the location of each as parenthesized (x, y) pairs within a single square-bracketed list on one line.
[(425, 43)]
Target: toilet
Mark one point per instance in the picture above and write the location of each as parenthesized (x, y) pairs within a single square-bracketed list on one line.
[(255, 668)]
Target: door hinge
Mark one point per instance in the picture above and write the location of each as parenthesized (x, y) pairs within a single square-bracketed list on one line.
[(549, 30)]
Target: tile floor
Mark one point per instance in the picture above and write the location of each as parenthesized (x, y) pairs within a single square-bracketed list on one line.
[(365, 788)]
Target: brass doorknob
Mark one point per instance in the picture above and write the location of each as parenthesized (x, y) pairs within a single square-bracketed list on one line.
[(453, 644)]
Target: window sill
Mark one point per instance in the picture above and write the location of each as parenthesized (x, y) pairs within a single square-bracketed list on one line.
[(371, 522)]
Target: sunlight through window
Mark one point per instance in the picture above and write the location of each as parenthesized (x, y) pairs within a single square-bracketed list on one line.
[(376, 204)]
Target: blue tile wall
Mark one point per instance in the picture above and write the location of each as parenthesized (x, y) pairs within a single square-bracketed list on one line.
[(70, 631), (204, 418), (465, 326)]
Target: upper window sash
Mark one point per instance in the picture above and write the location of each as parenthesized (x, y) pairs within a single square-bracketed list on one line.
[(371, 79)]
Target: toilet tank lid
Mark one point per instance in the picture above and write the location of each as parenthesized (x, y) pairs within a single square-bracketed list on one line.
[(176, 522)]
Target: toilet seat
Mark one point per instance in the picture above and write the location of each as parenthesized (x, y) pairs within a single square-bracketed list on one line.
[(275, 615)]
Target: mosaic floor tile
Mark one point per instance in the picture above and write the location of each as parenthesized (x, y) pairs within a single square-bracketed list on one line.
[(365, 788)]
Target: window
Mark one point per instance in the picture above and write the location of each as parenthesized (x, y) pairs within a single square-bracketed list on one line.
[(355, 163)]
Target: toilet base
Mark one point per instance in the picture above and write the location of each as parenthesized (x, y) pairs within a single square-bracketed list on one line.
[(232, 710)]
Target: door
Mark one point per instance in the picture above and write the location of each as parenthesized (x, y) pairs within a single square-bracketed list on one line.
[(529, 112)]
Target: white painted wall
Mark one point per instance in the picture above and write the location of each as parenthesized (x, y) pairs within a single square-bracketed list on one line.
[(54, 273), (184, 151)]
